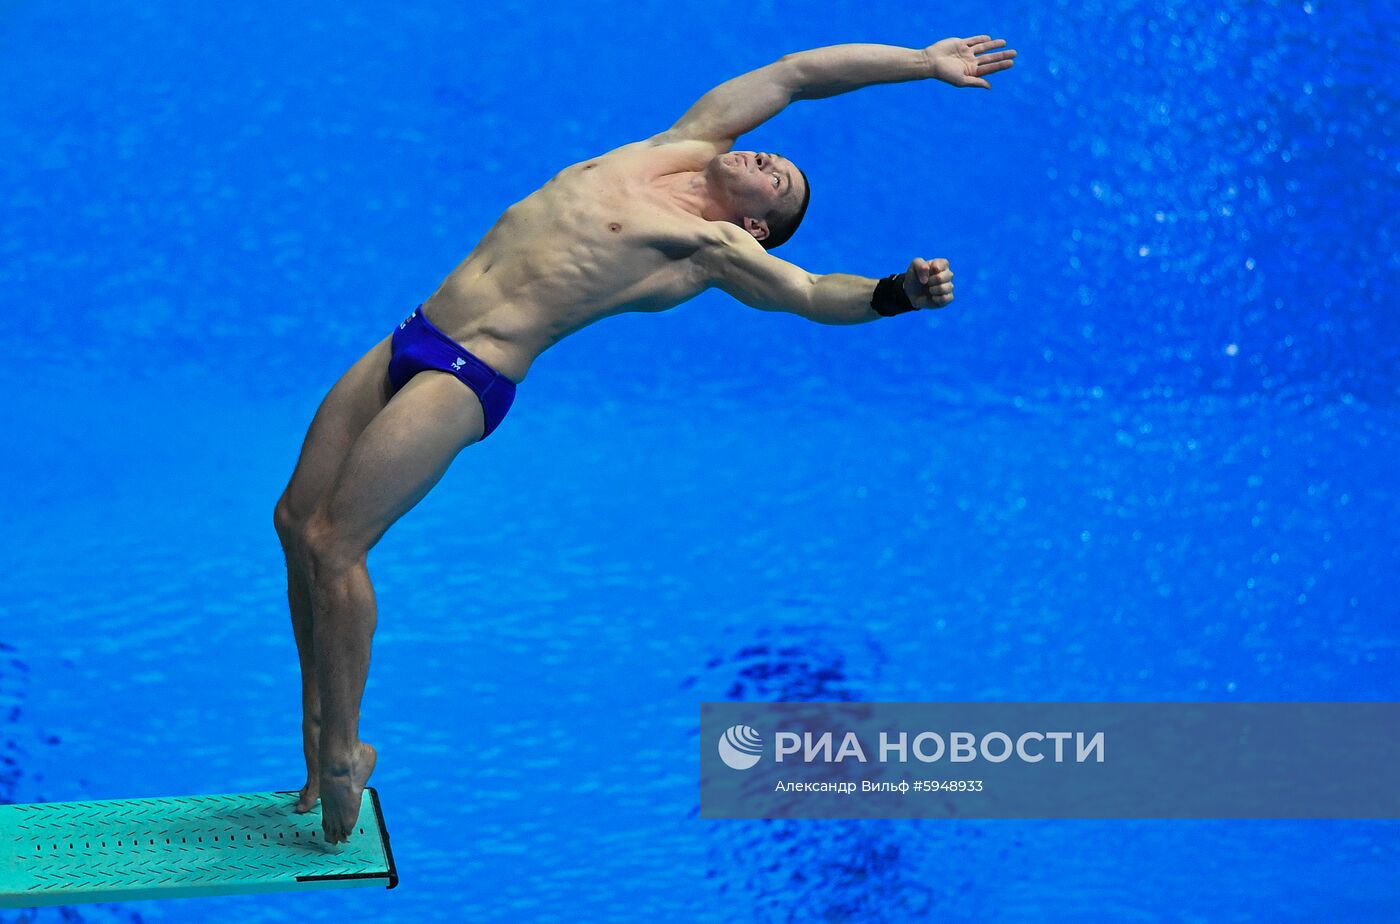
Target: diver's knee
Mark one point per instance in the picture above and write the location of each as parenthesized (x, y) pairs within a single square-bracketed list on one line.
[(289, 526), (327, 548)]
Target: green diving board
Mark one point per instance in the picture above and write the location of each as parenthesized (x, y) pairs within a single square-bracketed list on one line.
[(61, 853)]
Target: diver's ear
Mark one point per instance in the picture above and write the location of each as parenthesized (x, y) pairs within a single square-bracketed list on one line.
[(758, 227)]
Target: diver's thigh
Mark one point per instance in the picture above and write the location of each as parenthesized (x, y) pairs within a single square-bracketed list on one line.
[(350, 405), (396, 460)]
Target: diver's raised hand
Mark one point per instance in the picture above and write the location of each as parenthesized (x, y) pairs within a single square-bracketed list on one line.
[(929, 283), (963, 62)]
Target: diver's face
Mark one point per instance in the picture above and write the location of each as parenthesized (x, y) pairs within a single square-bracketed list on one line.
[(757, 183)]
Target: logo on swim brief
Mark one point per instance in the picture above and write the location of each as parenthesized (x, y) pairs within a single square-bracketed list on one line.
[(406, 320), (740, 747), (458, 363)]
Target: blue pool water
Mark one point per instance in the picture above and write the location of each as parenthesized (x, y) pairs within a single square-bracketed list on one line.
[(1147, 454)]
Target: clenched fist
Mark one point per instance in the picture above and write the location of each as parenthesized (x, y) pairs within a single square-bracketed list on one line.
[(929, 283)]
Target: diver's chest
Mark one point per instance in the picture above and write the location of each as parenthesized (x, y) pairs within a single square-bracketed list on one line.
[(601, 210), (603, 194)]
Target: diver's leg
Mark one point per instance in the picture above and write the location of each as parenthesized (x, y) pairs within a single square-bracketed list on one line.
[(344, 413), (403, 452)]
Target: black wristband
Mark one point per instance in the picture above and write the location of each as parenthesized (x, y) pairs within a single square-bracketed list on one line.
[(890, 298)]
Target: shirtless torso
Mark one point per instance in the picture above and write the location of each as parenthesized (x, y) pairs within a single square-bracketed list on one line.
[(602, 237)]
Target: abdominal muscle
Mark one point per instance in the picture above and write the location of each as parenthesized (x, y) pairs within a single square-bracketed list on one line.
[(507, 334), (587, 245)]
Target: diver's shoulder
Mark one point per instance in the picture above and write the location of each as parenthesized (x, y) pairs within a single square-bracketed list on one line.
[(725, 235), (721, 245)]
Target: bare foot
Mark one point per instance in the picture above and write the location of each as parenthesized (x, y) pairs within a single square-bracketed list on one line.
[(311, 747), (341, 789)]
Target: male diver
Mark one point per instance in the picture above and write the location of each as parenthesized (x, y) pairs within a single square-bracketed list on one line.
[(643, 227)]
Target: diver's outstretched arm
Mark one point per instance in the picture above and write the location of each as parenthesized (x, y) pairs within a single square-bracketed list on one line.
[(835, 69), (737, 264), (743, 103)]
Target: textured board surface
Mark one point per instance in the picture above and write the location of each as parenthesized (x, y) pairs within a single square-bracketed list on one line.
[(58, 853)]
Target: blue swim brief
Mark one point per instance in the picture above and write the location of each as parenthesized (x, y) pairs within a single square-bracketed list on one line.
[(419, 345)]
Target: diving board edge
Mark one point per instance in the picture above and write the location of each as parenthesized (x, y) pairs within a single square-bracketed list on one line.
[(393, 873)]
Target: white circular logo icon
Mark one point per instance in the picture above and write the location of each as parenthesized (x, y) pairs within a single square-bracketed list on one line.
[(740, 747)]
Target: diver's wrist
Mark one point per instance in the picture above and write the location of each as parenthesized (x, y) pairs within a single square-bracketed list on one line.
[(890, 297)]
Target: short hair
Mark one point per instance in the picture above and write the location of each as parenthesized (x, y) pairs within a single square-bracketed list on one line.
[(781, 229)]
